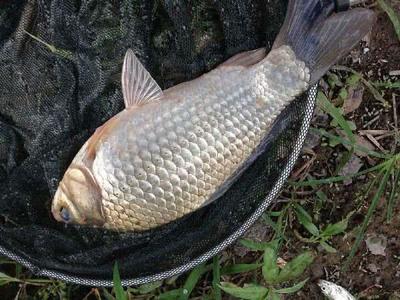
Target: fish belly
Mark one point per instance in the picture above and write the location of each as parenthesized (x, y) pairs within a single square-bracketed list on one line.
[(170, 157)]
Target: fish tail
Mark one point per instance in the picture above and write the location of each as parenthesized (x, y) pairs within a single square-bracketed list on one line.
[(318, 36)]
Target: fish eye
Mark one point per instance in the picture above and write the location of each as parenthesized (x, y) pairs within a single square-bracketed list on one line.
[(65, 214)]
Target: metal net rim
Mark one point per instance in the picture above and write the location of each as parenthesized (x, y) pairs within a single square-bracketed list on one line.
[(273, 194)]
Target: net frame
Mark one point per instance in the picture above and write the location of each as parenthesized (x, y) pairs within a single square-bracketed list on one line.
[(272, 195)]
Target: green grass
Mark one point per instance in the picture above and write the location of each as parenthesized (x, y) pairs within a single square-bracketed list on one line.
[(119, 292), (59, 52), (273, 276), (381, 173), (383, 178), (393, 16)]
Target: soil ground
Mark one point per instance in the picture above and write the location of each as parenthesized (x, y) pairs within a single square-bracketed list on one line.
[(369, 276)]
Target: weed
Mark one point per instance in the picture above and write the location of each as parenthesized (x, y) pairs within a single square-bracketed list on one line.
[(185, 291), (319, 236), (6, 279), (273, 276)]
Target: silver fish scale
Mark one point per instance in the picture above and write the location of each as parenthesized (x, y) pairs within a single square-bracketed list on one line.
[(168, 158)]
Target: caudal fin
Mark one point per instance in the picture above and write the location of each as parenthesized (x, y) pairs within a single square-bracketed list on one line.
[(320, 37)]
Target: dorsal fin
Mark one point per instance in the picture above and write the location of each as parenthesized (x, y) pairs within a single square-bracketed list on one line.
[(138, 87)]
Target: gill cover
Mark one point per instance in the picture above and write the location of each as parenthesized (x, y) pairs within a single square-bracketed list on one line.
[(78, 198)]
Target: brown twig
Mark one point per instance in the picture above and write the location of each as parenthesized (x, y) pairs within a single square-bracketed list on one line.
[(375, 142), (396, 124), (374, 132)]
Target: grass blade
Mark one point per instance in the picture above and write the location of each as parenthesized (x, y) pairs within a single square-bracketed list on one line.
[(270, 269), (297, 287), (18, 270), (150, 287), (371, 209), (392, 198), (192, 280), (252, 292), (256, 246), (239, 268), (5, 279), (170, 295), (272, 296), (393, 16), (345, 142), (295, 267), (107, 295), (280, 226), (328, 248), (387, 84), (267, 219), (118, 289), (336, 179), (337, 228), (306, 220), (216, 278), (62, 53)]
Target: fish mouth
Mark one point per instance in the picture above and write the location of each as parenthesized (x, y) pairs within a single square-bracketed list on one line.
[(322, 283), (61, 200)]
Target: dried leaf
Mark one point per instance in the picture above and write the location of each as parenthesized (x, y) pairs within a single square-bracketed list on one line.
[(365, 144), (376, 244), (312, 140), (372, 267), (353, 100), (351, 167)]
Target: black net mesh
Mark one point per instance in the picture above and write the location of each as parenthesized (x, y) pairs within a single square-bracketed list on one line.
[(52, 99)]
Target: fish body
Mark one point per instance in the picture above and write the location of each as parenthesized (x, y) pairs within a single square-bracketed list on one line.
[(333, 291), (171, 152), (165, 160)]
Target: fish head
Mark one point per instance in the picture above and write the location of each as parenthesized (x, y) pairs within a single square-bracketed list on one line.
[(326, 287), (78, 198)]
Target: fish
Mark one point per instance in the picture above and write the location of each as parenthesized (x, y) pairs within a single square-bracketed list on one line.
[(333, 291), (171, 152)]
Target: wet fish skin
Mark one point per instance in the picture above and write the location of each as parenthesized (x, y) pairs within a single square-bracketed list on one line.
[(154, 163), (168, 158)]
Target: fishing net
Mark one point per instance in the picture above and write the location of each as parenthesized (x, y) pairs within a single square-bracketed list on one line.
[(53, 96)]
